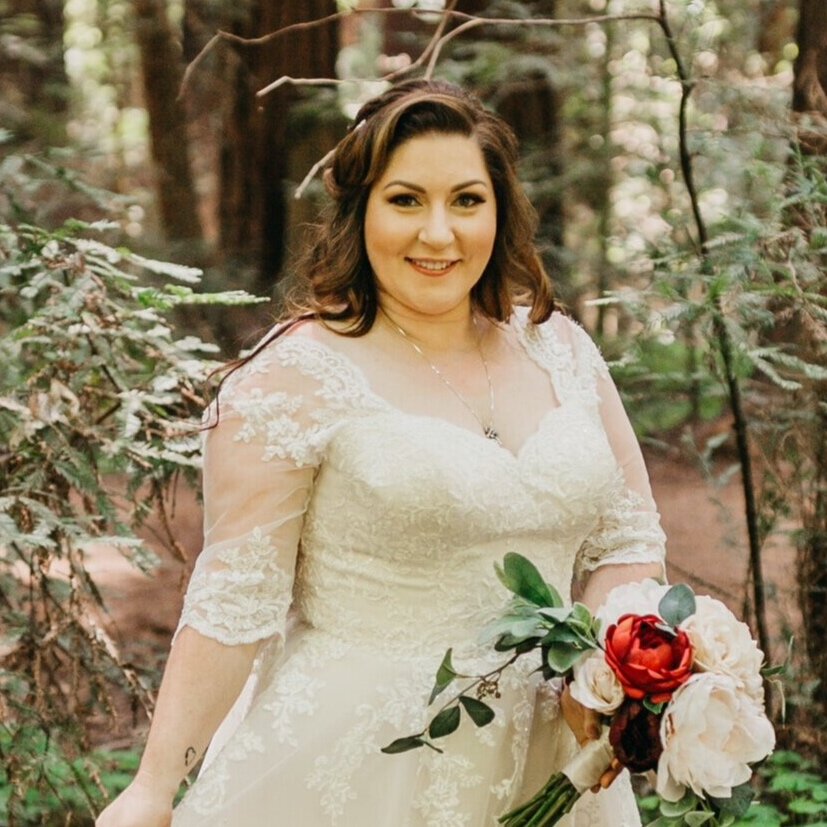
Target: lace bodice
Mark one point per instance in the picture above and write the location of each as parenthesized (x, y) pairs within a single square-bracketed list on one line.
[(374, 521), (345, 487)]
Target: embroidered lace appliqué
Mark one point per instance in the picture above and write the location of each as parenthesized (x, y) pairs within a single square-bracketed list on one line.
[(242, 598)]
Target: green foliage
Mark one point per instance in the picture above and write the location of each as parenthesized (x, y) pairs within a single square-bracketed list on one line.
[(792, 793), (65, 787), (677, 604), (100, 402), (537, 618)]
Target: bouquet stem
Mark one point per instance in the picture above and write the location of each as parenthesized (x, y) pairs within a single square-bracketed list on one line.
[(562, 790)]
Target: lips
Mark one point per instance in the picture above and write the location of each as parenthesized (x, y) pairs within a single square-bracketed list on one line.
[(432, 267)]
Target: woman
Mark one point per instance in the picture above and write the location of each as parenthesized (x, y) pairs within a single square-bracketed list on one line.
[(368, 465)]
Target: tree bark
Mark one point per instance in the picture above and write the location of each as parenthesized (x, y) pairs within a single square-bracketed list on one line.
[(810, 81), (33, 83), (161, 69), (253, 212), (531, 105)]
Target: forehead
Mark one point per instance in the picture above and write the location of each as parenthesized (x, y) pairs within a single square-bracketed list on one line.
[(438, 158)]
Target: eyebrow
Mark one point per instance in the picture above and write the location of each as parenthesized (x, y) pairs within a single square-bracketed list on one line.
[(417, 188)]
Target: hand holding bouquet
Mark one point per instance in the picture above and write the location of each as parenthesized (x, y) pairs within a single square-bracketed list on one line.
[(676, 679)]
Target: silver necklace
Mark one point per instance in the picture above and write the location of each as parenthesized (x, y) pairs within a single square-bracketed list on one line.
[(488, 428)]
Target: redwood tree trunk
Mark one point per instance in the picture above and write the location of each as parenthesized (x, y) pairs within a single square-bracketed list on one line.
[(161, 69), (33, 83), (255, 147), (810, 83)]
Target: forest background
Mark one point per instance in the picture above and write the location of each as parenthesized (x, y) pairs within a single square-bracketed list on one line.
[(675, 152)]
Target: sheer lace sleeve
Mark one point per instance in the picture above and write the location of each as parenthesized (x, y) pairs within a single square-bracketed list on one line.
[(260, 458), (629, 530)]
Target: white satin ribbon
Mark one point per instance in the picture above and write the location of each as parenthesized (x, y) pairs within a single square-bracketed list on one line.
[(585, 769)]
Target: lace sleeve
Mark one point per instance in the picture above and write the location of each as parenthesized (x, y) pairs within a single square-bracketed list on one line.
[(629, 530), (260, 459)]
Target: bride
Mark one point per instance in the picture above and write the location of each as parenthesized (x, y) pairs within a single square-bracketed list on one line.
[(423, 411)]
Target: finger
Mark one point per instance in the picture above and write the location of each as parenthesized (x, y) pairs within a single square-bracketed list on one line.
[(608, 777)]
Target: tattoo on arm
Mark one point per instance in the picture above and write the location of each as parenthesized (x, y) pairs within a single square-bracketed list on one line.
[(189, 757)]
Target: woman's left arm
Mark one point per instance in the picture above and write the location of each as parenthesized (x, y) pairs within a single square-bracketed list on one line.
[(627, 545)]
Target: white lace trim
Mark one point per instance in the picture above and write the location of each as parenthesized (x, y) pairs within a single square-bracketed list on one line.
[(242, 598), (627, 532)]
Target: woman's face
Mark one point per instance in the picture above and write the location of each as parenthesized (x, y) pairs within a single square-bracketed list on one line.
[(430, 226)]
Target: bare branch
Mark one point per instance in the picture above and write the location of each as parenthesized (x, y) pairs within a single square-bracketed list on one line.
[(433, 46), (431, 52), (195, 62), (311, 174), (285, 80)]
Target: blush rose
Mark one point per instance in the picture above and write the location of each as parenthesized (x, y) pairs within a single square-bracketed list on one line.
[(647, 658)]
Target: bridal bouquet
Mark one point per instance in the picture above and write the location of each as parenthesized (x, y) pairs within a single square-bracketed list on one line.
[(676, 679)]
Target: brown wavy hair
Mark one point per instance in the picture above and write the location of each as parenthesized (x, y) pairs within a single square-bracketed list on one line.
[(335, 280)]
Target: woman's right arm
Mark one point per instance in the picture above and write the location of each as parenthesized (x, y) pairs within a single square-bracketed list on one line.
[(259, 467), (202, 680)]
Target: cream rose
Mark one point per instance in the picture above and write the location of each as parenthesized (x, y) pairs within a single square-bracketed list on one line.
[(595, 685), (711, 732), (725, 645)]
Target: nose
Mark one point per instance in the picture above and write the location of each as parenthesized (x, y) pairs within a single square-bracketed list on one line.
[(437, 230)]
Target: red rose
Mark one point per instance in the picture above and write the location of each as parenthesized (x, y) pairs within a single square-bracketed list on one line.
[(647, 658)]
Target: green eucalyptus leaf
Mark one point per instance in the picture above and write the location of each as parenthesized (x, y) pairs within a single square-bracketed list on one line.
[(563, 634), (519, 575), (677, 809), (507, 642), (409, 742), (559, 614), (444, 676), (738, 803), (677, 604), (696, 818), (528, 645), (445, 722), (522, 629), (480, 713), (561, 658)]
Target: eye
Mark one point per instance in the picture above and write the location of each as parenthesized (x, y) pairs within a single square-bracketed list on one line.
[(469, 199), (403, 199)]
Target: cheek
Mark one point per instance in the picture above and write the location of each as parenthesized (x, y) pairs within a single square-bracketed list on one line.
[(486, 234), (384, 233)]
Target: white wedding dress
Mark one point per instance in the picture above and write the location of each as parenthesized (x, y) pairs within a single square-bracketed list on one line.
[(354, 514)]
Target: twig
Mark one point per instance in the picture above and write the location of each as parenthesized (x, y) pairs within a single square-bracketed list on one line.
[(174, 544), (312, 173), (284, 80), (195, 62), (432, 50), (725, 345)]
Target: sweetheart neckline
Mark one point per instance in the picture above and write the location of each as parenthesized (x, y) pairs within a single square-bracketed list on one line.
[(513, 456), (383, 403)]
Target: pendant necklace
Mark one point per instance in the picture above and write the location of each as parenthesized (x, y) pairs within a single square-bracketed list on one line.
[(488, 429)]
